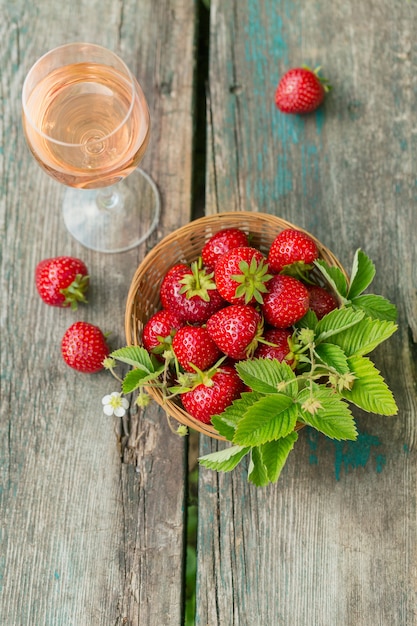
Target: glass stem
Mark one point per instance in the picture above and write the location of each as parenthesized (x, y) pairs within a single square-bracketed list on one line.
[(108, 198)]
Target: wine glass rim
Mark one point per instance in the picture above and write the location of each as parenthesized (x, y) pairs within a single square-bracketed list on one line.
[(28, 117)]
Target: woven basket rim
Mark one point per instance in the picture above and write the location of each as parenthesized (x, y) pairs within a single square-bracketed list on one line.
[(208, 225)]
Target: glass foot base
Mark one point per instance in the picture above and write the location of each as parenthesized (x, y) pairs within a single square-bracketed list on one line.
[(116, 222)]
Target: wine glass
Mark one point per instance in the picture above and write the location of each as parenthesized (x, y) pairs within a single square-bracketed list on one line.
[(87, 124)]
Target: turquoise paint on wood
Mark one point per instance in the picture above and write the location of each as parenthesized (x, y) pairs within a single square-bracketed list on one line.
[(380, 461), (349, 455), (266, 57), (312, 438), (353, 454), (265, 52), (266, 40), (319, 116)]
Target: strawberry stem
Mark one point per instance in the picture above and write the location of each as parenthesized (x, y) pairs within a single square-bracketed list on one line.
[(198, 283), (75, 292)]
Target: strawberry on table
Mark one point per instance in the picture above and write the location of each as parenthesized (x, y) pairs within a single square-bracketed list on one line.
[(292, 247), (190, 293), (241, 275), (219, 388), (321, 300), (235, 329), (286, 302), (62, 281), (301, 90), (192, 345), (159, 330), (220, 243), (84, 347)]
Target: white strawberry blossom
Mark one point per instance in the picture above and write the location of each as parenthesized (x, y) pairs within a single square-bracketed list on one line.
[(115, 404)]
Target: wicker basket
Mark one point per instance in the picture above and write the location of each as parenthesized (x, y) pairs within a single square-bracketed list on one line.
[(185, 245)]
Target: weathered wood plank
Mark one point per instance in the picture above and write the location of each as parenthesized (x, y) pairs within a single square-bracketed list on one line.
[(335, 541), (86, 538)]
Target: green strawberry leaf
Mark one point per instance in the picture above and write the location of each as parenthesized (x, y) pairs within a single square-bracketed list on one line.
[(363, 272), (226, 422), (335, 277), (364, 336), (267, 376), (336, 321), (138, 378), (275, 453), (224, 460), (333, 356), (369, 392), (271, 417), (376, 307), (309, 320), (327, 413), (136, 356), (257, 472)]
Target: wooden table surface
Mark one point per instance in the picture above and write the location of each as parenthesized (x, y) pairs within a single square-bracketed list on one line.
[(91, 536)]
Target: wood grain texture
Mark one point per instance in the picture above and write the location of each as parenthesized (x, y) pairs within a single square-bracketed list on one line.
[(86, 539), (335, 540)]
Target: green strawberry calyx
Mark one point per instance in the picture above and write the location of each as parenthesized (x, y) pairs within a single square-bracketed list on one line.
[(316, 71), (164, 344), (187, 381), (300, 270), (252, 280), (199, 282), (75, 292)]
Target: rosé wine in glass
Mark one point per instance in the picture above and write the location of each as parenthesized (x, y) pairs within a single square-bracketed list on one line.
[(87, 124)]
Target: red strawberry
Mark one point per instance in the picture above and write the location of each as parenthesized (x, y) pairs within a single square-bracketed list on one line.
[(214, 395), (84, 347), (159, 330), (190, 293), (321, 300), (220, 243), (240, 275), (279, 350), (291, 246), (235, 330), (193, 345), (176, 268), (300, 90), (286, 303), (62, 281)]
